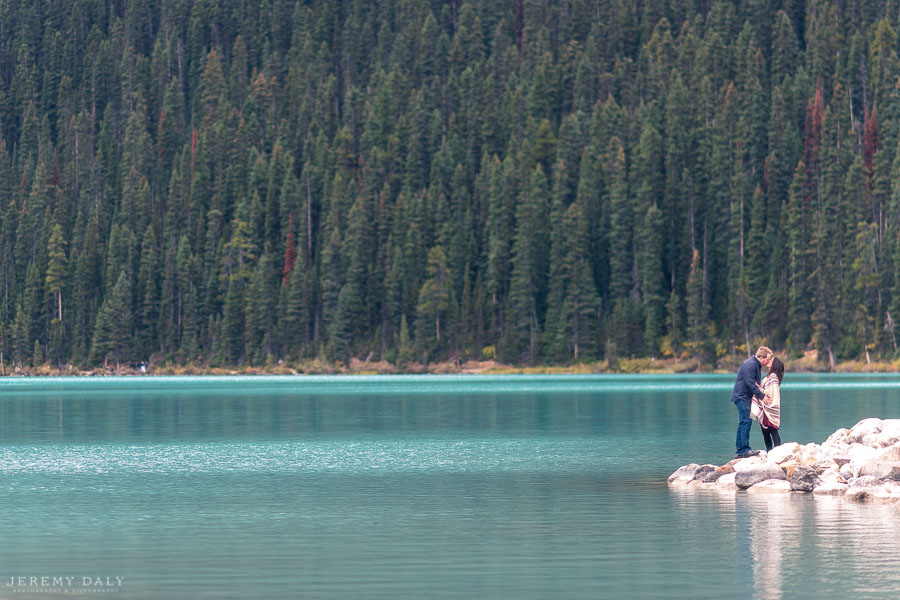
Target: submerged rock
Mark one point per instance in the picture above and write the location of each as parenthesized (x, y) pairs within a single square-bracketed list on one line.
[(831, 489), (771, 486), (888, 491), (861, 463), (863, 488)]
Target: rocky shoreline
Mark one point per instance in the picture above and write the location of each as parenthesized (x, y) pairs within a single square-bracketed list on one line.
[(861, 463)]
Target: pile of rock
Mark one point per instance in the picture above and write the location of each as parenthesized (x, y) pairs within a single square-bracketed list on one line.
[(861, 463)]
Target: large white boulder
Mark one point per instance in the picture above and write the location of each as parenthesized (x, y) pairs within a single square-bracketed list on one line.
[(784, 452), (813, 453), (865, 427), (838, 438), (890, 432), (836, 452), (881, 469), (832, 476), (726, 482), (891, 453), (745, 464), (860, 455)]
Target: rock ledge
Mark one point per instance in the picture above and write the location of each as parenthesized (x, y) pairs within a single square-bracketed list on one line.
[(861, 463)]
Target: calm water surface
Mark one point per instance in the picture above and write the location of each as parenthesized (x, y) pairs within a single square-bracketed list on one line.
[(421, 487)]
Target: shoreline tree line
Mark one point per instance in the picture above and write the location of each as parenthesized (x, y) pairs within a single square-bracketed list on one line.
[(218, 182)]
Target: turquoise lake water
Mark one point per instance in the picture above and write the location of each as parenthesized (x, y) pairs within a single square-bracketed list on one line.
[(421, 487)]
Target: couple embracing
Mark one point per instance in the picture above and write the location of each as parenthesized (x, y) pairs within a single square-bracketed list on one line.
[(761, 401)]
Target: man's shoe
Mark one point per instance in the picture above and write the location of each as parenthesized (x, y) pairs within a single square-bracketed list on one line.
[(747, 454)]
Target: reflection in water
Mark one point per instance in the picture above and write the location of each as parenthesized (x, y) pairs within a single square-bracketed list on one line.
[(786, 545), (867, 535), (774, 522), (764, 528)]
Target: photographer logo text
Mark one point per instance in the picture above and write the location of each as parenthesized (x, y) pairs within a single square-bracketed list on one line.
[(63, 584)]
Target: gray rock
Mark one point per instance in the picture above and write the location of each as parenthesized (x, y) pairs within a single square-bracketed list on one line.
[(841, 460), (805, 479), (684, 474), (703, 471), (718, 473), (712, 476), (756, 473)]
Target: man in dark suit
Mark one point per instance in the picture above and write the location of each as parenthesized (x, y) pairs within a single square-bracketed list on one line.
[(745, 388)]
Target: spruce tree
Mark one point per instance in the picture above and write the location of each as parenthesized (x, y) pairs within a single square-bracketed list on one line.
[(113, 332)]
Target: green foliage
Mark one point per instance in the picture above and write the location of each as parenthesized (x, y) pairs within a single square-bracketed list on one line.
[(564, 182)]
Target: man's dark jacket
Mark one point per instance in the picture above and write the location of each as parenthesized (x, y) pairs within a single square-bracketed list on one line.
[(747, 378)]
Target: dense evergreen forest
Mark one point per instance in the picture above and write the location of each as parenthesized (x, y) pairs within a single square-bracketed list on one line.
[(228, 182)]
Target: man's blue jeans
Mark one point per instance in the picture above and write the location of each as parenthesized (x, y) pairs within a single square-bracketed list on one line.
[(742, 441)]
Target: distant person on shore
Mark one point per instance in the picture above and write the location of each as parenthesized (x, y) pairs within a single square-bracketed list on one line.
[(746, 387), (768, 410)]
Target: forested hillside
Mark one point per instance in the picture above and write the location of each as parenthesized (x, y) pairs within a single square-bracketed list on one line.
[(230, 182)]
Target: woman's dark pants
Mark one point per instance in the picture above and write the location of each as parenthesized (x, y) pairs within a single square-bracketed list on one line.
[(770, 437)]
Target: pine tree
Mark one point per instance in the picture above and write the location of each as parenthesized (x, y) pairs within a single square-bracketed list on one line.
[(56, 268), (113, 332), (522, 333), (435, 301), (580, 312), (620, 227), (798, 294), (697, 308), (650, 261), (500, 227), (55, 283)]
